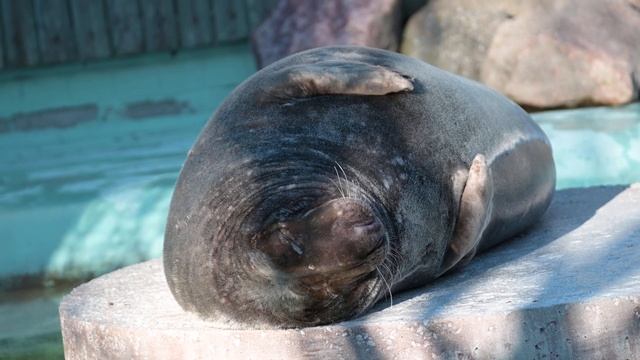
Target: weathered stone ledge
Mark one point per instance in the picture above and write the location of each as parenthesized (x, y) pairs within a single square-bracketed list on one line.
[(570, 288)]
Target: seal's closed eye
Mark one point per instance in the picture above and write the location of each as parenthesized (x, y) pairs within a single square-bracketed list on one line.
[(334, 78)]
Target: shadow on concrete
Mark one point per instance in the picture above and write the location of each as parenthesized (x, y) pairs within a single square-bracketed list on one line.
[(520, 246), (559, 338)]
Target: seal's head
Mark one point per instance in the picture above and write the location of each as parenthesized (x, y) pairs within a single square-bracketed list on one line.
[(295, 246), (320, 266), (282, 239)]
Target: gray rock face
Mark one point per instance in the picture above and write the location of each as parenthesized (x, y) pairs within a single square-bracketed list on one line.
[(570, 288), (542, 54), (297, 25)]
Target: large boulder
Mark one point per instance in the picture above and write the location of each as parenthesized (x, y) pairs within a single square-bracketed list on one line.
[(540, 53), (296, 25)]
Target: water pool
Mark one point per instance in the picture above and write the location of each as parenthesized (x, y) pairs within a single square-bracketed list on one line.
[(596, 146)]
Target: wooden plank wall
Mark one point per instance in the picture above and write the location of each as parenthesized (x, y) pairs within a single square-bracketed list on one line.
[(42, 32), (159, 25), (195, 23), (20, 35), (55, 35), (90, 29)]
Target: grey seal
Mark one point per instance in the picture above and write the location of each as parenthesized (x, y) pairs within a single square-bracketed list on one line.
[(339, 175)]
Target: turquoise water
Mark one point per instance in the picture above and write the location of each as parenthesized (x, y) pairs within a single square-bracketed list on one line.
[(29, 326), (597, 146)]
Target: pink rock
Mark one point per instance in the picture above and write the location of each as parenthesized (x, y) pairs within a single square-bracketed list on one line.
[(549, 54), (297, 25)]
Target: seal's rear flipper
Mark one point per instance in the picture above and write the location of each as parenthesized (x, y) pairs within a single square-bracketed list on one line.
[(473, 215), (334, 78)]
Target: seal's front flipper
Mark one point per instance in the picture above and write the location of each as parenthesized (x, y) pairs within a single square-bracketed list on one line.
[(473, 215), (333, 78)]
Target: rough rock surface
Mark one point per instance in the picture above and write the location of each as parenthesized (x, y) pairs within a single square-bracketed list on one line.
[(542, 54), (570, 288), (297, 25)]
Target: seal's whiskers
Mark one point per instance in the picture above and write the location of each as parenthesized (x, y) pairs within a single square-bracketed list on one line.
[(337, 185), (394, 257), (341, 187), (387, 285), (346, 179)]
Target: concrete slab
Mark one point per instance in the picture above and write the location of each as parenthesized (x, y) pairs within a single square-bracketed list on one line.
[(570, 288)]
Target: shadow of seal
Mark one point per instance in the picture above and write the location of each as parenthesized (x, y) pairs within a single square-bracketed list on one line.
[(339, 175)]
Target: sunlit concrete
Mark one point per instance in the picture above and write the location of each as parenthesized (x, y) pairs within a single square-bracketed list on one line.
[(570, 288)]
